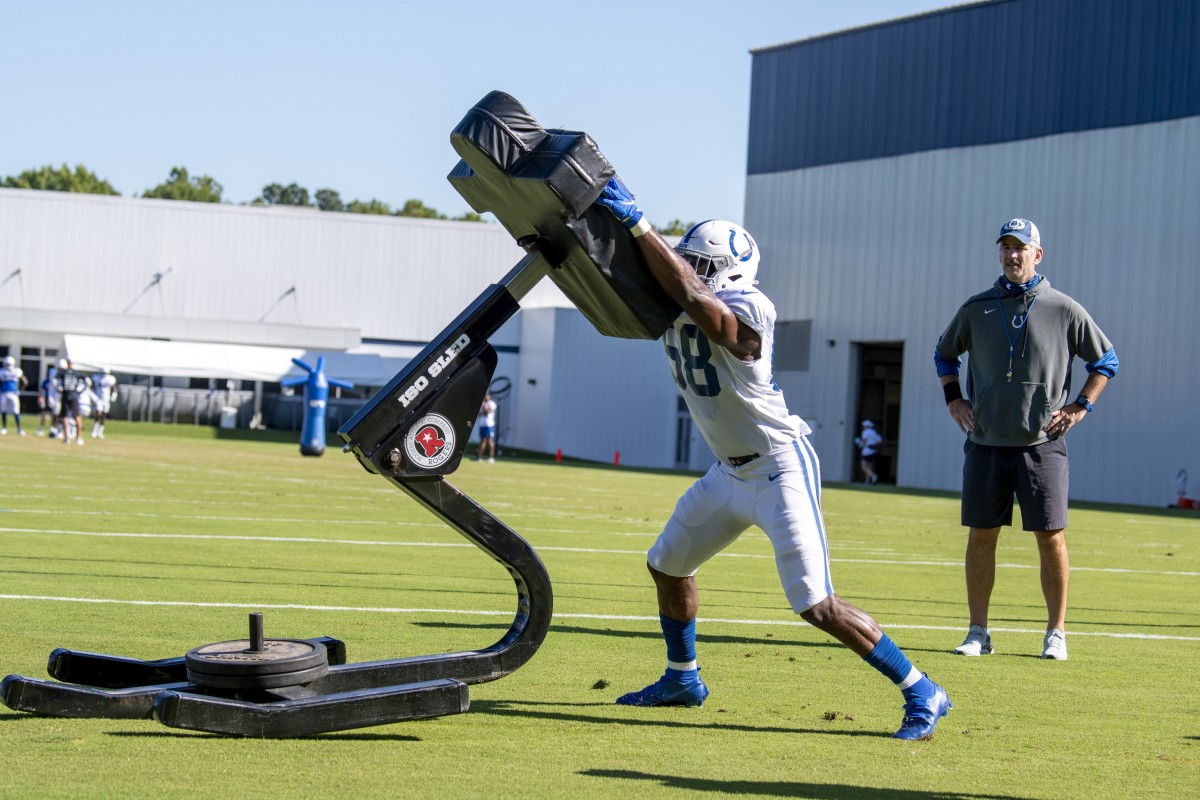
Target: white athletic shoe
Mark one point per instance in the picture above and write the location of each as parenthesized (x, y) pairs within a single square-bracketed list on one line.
[(3, 431), (491, 461), (977, 643), (1055, 645), (79, 442)]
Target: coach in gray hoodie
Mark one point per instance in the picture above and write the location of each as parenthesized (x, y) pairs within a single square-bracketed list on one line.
[(1021, 336)]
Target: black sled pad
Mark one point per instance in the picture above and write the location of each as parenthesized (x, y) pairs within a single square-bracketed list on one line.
[(541, 185)]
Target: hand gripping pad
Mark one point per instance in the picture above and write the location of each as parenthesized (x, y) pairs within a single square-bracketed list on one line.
[(541, 184)]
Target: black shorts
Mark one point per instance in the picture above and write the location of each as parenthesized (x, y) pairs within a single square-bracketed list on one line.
[(1039, 476), (870, 459), (70, 406)]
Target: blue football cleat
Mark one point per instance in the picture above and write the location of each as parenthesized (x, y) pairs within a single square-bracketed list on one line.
[(921, 714), (668, 692)]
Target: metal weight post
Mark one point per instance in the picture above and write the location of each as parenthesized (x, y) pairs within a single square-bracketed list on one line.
[(277, 688)]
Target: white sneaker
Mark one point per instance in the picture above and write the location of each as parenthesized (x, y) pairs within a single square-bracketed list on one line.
[(3, 431), (79, 442), (977, 643), (1055, 645), (20, 433), (491, 461)]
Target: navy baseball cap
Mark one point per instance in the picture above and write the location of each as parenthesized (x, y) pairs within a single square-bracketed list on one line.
[(1022, 229)]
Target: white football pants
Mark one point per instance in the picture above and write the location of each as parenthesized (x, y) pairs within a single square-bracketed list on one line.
[(781, 494)]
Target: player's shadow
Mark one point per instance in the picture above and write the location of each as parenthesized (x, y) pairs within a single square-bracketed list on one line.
[(529, 709), (655, 635), (334, 736), (811, 791)]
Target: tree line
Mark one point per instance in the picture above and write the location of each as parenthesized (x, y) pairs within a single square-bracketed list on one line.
[(179, 185)]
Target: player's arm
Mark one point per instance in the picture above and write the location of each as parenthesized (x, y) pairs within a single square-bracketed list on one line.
[(679, 280)]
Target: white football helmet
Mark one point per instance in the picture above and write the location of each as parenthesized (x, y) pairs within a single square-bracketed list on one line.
[(10, 362), (722, 253)]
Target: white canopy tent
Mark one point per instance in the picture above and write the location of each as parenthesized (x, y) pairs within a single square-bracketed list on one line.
[(213, 360), (180, 359)]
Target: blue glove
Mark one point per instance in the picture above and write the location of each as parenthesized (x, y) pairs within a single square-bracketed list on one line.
[(617, 198)]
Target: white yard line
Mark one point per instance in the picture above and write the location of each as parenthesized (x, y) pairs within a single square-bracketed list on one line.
[(557, 615), (594, 550)]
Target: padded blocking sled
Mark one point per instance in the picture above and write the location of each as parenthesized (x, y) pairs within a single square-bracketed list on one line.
[(413, 432)]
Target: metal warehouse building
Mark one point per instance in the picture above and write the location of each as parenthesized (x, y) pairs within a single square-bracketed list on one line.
[(199, 307), (100, 275), (882, 163)]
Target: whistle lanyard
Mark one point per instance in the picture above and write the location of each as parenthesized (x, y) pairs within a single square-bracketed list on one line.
[(1012, 340)]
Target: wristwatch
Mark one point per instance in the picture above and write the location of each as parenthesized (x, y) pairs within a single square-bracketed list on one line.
[(1083, 401)]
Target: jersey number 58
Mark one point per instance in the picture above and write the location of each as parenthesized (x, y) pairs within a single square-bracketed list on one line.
[(691, 361)]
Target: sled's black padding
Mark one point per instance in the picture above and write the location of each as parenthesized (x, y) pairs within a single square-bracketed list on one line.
[(541, 185)]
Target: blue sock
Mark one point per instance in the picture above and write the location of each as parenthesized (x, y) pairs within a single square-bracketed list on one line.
[(681, 646), (891, 661)]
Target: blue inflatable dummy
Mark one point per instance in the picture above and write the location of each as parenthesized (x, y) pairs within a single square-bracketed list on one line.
[(316, 395)]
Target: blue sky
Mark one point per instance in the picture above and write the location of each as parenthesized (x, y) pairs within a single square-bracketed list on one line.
[(361, 96)]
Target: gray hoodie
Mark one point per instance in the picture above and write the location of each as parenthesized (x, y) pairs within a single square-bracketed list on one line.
[(1045, 329)]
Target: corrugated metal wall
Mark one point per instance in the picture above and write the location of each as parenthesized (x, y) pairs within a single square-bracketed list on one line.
[(886, 250), (86, 261), (592, 396), (389, 277), (972, 75)]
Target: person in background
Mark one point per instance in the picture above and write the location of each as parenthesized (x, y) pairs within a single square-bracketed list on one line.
[(48, 403), (88, 401), (487, 429), (1021, 337), (70, 385), (868, 442), (12, 382), (105, 385)]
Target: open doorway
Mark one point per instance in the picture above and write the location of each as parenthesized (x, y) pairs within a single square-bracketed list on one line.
[(880, 370)]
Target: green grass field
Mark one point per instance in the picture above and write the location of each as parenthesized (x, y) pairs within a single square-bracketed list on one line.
[(162, 538)]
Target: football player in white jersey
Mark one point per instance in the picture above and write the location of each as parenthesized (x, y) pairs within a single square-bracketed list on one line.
[(105, 384), (12, 381), (720, 352)]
